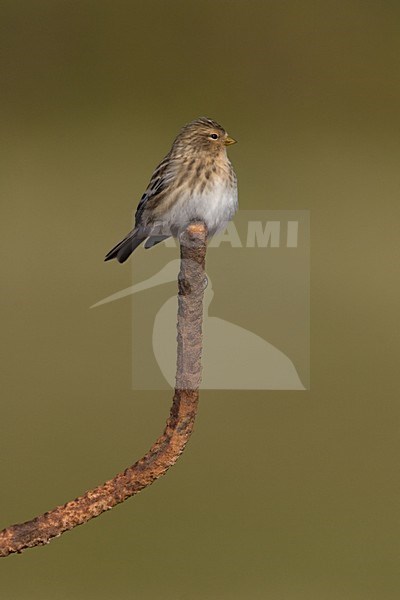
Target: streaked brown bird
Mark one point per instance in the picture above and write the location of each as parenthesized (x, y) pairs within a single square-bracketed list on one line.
[(194, 182)]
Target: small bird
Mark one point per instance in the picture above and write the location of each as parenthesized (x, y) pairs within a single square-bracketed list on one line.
[(194, 182)]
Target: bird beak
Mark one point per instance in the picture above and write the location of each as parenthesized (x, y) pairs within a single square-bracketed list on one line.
[(228, 141)]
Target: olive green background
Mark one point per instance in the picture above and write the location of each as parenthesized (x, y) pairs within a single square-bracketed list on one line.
[(279, 495)]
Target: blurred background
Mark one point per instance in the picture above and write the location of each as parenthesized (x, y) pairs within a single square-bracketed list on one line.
[(282, 495)]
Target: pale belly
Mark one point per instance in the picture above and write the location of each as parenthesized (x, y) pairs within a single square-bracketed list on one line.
[(215, 208)]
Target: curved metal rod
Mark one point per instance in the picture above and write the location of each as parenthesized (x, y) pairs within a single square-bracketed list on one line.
[(169, 446)]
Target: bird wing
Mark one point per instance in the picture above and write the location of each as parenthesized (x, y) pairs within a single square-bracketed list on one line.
[(160, 180)]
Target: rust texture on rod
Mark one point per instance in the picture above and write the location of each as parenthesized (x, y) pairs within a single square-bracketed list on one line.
[(169, 446)]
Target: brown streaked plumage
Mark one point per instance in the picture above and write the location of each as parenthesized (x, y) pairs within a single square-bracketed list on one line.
[(195, 181)]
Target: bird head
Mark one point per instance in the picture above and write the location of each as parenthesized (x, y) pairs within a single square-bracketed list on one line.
[(204, 134)]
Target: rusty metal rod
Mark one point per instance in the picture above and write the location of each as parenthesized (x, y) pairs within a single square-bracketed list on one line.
[(170, 445)]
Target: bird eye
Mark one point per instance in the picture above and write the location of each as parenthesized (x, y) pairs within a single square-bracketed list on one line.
[(214, 136)]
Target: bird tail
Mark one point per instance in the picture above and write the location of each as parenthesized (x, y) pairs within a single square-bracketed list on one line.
[(124, 249), (155, 239)]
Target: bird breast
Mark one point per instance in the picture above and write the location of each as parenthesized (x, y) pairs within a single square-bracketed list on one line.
[(214, 204)]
